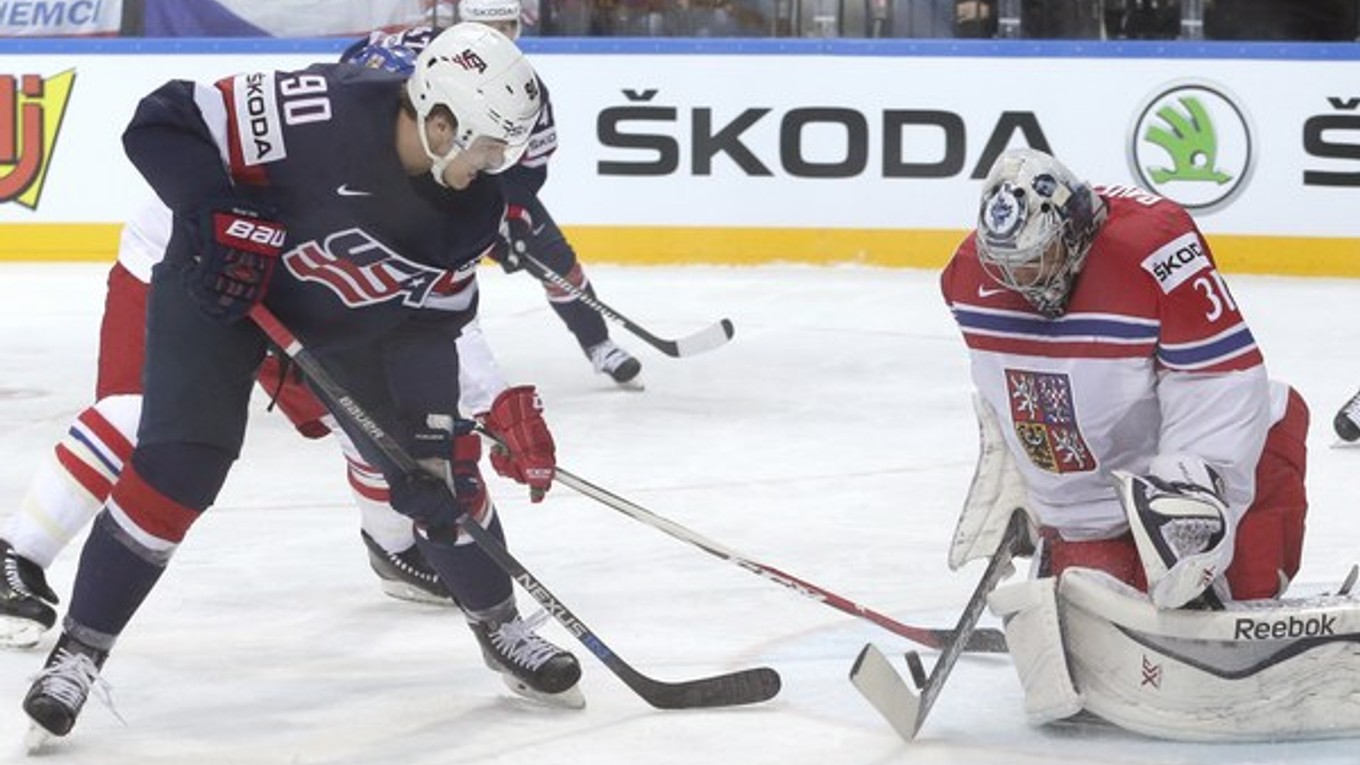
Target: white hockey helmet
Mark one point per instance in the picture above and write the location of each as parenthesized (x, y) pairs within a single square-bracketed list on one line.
[(483, 79), (504, 15), (1035, 226)]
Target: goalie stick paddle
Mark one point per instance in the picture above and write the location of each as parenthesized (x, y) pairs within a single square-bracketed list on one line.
[(883, 688), (981, 641), (706, 339), (735, 688)]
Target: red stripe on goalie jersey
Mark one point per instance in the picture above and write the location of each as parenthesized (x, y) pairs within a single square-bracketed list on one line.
[(154, 514), (241, 171)]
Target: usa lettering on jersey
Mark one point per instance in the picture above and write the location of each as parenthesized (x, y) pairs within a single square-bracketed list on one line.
[(362, 271), (1176, 261)]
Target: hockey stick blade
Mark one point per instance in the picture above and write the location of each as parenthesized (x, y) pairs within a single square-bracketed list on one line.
[(744, 687), (706, 339), (885, 690), (748, 686), (980, 641), (710, 337)]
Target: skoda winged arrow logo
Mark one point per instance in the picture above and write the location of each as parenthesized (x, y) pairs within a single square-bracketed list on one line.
[(1192, 142)]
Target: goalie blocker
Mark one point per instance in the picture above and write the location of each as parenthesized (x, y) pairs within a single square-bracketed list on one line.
[(1265, 670)]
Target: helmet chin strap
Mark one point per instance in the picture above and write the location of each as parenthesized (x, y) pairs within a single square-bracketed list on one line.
[(438, 163)]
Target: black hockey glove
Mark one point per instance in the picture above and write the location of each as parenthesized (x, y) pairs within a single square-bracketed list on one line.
[(238, 246), (448, 458), (426, 499), (517, 230)]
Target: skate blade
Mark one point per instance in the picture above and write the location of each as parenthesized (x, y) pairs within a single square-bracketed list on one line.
[(16, 632), (571, 698), (37, 738), (412, 594)]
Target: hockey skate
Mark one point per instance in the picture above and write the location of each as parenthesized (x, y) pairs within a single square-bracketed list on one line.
[(59, 691), (530, 666), (406, 575), (1347, 420), (25, 600), (620, 365)]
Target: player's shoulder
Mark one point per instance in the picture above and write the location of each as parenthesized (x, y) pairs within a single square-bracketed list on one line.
[(963, 274), (1140, 217), (1149, 234)]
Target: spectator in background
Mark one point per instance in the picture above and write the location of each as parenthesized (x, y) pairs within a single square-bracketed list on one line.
[(1320, 20), (1039, 19), (1143, 19)]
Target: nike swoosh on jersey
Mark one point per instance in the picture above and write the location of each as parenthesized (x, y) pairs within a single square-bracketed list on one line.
[(345, 191), (984, 292)]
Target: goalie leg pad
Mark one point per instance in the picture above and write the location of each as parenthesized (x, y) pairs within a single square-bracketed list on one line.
[(1252, 672), (1029, 610)]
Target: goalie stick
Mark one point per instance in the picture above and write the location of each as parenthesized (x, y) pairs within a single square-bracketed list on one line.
[(883, 688), (982, 641), (706, 339), (742, 687)]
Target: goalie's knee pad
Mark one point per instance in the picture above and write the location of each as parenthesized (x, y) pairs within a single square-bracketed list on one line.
[(1029, 610), (1260, 671)]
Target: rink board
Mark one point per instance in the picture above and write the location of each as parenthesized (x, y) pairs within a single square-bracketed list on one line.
[(806, 151)]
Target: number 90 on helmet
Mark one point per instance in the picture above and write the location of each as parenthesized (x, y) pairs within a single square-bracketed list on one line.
[(1036, 223), (485, 82)]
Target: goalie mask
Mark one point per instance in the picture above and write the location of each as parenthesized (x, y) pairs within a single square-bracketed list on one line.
[(1035, 227), (503, 15), (489, 88)]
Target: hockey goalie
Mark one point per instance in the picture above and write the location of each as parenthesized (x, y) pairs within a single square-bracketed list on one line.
[(1124, 404)]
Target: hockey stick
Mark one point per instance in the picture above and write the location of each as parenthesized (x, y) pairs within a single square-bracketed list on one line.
[(982, 641), (706, 339), (743, 687), (880, 684)]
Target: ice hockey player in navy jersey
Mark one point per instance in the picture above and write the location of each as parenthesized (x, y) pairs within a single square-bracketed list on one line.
[(354, 204), (531, 227)]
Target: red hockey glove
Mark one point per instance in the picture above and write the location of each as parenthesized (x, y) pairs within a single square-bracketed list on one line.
[(528, 455), (237, 249)]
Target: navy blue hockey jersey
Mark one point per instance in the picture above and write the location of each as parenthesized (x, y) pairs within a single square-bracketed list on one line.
[(368, 245), (378, 271)]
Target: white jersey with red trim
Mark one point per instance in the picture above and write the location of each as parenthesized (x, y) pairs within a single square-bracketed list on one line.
[(1152, 356)]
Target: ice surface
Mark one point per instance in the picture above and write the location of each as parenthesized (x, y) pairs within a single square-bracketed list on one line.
[(832, 438)]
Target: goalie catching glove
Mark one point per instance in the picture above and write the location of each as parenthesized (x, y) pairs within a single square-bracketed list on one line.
[(237, 249), (526, 452), (1180, 524)]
